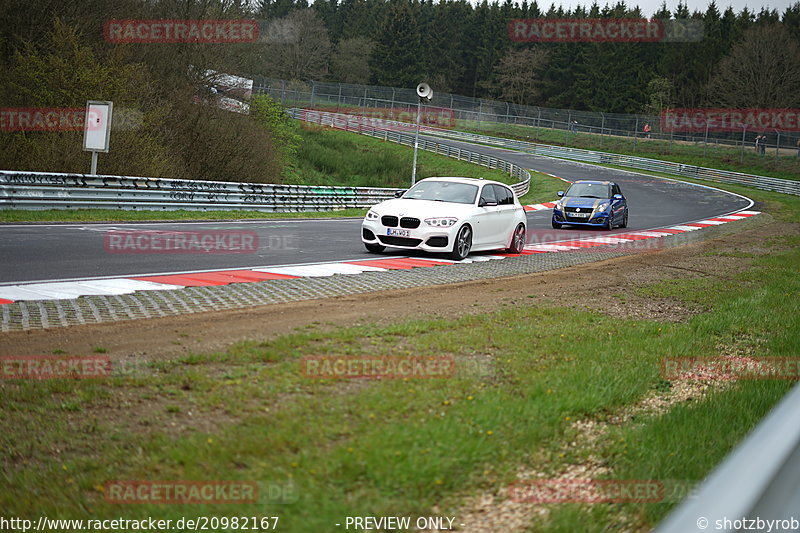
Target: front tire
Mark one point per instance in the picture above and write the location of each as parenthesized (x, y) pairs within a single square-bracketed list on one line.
[(462, 244), (624, 220), (556, 225), (610, 223), (374, 248)]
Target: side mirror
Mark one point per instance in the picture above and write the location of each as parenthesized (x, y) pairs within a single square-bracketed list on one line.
[(560, 194), (483, 203), (617, 197), (400, 193)]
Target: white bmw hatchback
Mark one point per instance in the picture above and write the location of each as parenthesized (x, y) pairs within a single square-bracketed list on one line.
[(452, 215)]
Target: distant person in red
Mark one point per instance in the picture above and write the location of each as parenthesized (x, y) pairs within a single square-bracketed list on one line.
[(647, 130)]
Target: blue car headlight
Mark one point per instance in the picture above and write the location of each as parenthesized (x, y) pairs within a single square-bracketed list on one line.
[(603, 207)]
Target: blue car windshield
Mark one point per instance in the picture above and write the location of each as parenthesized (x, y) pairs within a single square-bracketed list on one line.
[(589, 190), (443, 191)]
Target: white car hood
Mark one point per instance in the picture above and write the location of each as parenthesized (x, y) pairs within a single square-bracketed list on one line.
[(422, 209)]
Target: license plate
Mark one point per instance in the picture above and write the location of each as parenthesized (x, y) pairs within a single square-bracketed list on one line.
[(580, 215), (398, 233)]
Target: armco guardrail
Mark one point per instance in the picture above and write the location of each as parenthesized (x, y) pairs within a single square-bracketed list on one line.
[(400, 132), (40, 190), (640, 163), (759, 480)]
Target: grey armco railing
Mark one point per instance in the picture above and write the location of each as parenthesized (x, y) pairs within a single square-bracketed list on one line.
[(760, 480), (628, 161), (403, 133), (43, 190)]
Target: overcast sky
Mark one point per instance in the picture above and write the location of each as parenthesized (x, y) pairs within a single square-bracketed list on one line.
[(651, 6)]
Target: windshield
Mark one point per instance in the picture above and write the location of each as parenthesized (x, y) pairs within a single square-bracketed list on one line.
[(443, 191), (589, 190)]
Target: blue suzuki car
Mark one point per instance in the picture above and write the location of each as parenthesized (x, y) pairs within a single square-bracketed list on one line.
[(591, 203)]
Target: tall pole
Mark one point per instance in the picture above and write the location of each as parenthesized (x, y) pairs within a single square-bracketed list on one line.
[(602, 126), (569, 127), (416, 143)]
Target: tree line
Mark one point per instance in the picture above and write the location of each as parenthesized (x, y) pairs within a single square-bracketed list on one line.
[(749, 59)]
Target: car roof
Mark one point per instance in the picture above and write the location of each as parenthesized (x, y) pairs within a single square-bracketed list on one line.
[(472, 181), (595, 182)]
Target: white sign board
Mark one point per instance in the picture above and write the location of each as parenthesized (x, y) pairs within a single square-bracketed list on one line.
[(97, 126)]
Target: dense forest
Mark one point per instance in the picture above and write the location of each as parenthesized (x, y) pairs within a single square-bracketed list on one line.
[(54, 53), (466, 49)]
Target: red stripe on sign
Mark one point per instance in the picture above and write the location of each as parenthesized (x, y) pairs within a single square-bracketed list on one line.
[(4, 301), (179, 279), (390, 264)]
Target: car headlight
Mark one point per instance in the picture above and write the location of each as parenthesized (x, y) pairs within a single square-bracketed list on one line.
[(603, 206), (559, 205), (441, 222), (372, 215)]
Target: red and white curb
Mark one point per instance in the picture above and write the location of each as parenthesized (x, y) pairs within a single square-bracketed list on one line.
[(539, 207), (61, 290)]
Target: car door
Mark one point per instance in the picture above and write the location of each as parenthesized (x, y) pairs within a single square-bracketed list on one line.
[(487, 219), (617, 205), (507, 213)]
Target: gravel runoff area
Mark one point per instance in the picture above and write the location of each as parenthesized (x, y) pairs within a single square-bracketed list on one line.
[(33, 315)]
